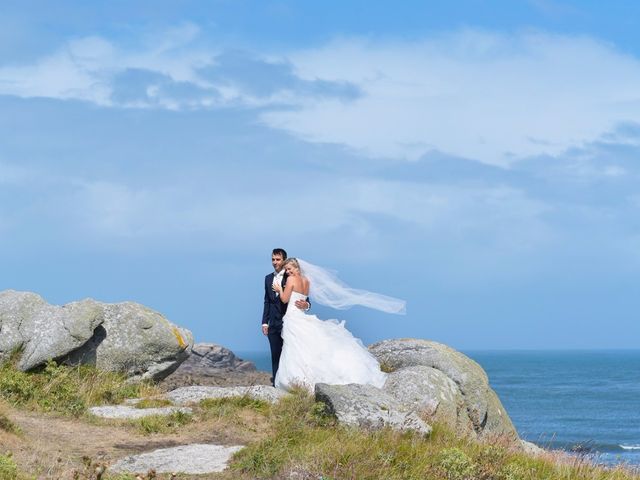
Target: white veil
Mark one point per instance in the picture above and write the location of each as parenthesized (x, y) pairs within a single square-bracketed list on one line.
[(328, 290)]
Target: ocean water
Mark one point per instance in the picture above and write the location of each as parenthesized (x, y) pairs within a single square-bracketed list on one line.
[(574, 400)]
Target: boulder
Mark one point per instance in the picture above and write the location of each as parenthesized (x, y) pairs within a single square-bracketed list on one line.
[(137, 341), (483, 407), (366, 406), (431, 394), (125, 337), (42, 332)]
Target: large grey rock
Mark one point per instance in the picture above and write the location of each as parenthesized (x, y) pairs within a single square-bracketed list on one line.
[(135, 340), (483, 407), (41, 331), (432, 394), (369, 407), (194, 394), (190, 459), (125, 337)]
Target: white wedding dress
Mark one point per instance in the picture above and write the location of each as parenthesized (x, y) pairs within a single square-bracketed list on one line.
[(317, 351)]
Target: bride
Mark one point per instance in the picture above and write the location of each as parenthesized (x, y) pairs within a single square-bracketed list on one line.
[(317, 351)]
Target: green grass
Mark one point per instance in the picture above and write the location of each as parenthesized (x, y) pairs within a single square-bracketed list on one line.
[(153, 403), (6, 425), (229, 407), (65, 390), (9, 469), (306, 442), (163, 423)]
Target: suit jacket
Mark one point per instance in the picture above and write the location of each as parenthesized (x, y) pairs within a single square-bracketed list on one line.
[(274, 309)]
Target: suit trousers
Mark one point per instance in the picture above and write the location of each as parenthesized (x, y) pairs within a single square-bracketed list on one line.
[(275, 342)]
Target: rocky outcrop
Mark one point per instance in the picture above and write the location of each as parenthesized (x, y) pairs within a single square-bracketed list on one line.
[(214, 365), (125, 337), (471, 406), (210, 358), (431, 393), (366, 406)]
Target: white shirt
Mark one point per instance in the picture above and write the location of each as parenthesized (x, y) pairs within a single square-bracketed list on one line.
[(277, 278)]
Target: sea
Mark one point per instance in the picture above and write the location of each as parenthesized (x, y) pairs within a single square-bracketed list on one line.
[(585, 401)]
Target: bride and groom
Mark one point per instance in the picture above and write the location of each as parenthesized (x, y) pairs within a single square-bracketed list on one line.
[(304, 349)]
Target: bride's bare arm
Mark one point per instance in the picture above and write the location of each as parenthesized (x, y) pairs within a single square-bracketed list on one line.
[(286, 294)]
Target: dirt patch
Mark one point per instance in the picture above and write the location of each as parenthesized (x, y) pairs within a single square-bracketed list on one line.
[(54, 447)]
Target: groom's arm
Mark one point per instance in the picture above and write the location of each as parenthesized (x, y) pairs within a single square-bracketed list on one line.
[(265, 310), (304, 304)]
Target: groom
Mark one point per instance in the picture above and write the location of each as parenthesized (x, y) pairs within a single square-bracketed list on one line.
[(274, 309)]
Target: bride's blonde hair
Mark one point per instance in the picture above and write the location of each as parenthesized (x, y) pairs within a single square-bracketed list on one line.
[(293, 261)]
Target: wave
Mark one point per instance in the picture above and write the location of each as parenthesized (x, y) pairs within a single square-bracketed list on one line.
[(591, 447)]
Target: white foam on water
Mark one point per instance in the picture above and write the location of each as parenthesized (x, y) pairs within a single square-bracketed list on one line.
[(630, 447)]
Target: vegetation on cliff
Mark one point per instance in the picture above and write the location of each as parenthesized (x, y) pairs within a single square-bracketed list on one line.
[(292, 439)]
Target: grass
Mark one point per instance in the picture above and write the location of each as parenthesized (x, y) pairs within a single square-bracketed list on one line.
[(163, 423), (153, 403), (295, 438), (66, 390), (6, 425), (229, 407), (305, 443)]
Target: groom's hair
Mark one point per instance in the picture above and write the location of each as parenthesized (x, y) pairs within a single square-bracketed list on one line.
[(281, 252)]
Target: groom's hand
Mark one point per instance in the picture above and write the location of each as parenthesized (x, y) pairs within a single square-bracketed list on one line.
[(302, 304), (265, 329)]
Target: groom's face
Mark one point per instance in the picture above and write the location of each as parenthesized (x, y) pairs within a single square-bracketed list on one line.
[(277, 261)]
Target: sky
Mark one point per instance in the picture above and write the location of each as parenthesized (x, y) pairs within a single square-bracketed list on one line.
[(479, 159)]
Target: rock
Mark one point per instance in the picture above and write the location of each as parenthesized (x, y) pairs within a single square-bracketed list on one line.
[(369, 407), (41, 331), (531, 448), (209, 358), (190, 459), (215, 365), (431, 394), (126, 412), (137, 341), (483, 407), (194, 394), (125, 337)]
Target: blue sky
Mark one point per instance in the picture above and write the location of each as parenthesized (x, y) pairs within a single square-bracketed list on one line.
[(477, 158)]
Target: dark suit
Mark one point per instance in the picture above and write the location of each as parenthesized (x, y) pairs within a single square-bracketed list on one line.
[(272, 315)]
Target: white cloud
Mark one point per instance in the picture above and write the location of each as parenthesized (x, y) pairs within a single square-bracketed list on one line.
[(478, 95)]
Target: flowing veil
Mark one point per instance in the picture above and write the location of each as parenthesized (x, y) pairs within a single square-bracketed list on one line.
[(328, 290)]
